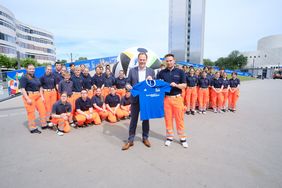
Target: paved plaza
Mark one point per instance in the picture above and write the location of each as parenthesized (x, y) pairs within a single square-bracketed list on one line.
[(242, 149)]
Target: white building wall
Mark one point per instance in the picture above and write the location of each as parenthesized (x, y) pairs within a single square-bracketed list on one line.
[(268, 53), (27, 47)]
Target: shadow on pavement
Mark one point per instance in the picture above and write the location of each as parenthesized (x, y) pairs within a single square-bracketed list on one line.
[(121, 131)]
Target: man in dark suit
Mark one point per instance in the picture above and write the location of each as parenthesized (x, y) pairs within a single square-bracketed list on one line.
[(136, 75)]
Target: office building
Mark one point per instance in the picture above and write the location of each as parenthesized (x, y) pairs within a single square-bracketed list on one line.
[(20, 40), (186, 29)]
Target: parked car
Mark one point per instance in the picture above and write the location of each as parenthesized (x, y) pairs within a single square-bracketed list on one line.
[(277, 74)]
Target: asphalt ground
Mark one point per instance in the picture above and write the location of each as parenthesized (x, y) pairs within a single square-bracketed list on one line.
[(241, 149)]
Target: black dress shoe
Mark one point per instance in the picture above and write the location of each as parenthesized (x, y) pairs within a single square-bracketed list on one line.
[(188, 112), (193, 112), (35, 131)]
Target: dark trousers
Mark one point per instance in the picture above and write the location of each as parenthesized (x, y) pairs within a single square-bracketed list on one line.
[(135, 109)]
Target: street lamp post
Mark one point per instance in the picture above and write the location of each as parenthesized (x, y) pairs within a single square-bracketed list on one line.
[(254, 65), (18, 60)]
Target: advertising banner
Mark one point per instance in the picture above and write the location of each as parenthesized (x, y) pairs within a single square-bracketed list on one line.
[(13, 77)]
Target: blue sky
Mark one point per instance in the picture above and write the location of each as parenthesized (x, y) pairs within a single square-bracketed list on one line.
[(93, 28)]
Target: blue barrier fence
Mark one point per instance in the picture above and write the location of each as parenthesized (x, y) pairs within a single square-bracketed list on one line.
[(214, 67), (14, 76)]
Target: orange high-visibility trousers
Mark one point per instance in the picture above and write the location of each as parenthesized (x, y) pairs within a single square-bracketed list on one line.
[(90, 93), (233, 98), (103, 114), (174, 109), (191, 98), (75, 95), (114, 117), (183, 93), (58, 96), (105, 91), (37, 104), (126, 110), (225, 93), (197, 101), (120, 92), (63, 125), (81, 119), (50, 97), (209, 105), (216, 100), (203, 96)]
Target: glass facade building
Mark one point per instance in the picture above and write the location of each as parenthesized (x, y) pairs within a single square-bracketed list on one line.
[(186, 29), (20, 40)]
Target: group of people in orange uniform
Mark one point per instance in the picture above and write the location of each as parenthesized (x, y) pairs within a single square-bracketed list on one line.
[(207, 90), (76, 99)]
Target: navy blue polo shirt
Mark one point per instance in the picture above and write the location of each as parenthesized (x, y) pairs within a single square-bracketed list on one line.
[(225, 83), (216, 83), (192, 81), (60, 108), (98, 80), (234, 82), (203, 82), (82, 105), (109, 81), (112, 100), (30, 83), (77, 83), (58, 76), (105, 74), (175, 75), (65, 86), (97, 100), (120, 83), (48, 81), (210, 76), (125, 101), (72, 73), (86, 81)]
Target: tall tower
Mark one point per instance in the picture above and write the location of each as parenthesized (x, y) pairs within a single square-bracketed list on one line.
[(186, 29)]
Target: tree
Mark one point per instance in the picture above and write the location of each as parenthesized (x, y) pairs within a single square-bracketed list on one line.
[(14, 63), (27, 61), (45, 64), (208, 62), (63, 61), (4, 61), (234, 61), (237, 60), (82, 58), (8, 62), (221, 62)]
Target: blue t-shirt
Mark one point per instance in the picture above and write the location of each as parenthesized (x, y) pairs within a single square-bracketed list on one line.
[(151, 98)]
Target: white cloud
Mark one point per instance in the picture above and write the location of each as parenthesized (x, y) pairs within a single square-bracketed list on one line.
[(98, 28), (104, 28)]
